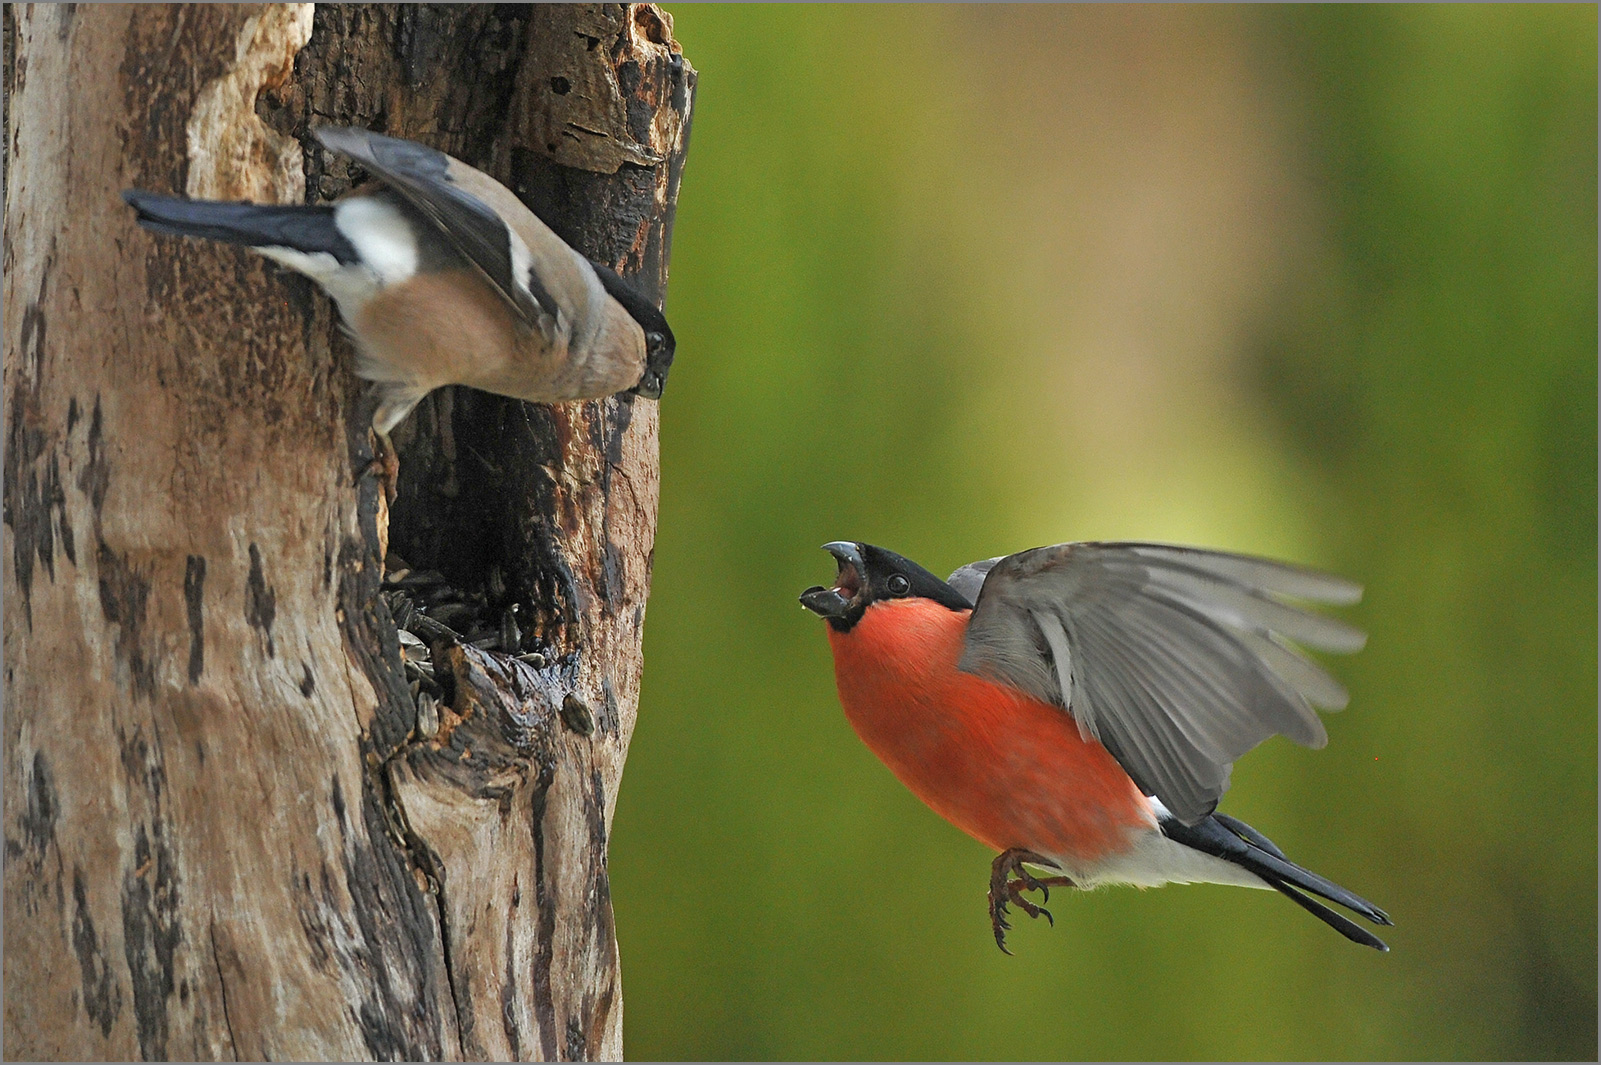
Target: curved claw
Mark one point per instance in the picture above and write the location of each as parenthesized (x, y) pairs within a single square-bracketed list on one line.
[(1003, 890)]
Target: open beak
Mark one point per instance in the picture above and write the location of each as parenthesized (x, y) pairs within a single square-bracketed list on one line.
[(835, 601)]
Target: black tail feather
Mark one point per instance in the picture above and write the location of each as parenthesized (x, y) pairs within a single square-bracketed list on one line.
[(1335, 920), (1234, 841), (1241, 829), (305, 229)]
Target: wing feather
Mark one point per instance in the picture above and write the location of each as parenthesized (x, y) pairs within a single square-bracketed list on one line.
[(1178, 660), (1247, 695), (1140, 741), (1250, 571), (424, 176), (1178, 679)]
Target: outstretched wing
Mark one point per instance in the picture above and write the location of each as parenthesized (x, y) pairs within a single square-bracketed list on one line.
[(1178, 660), (450, 194)]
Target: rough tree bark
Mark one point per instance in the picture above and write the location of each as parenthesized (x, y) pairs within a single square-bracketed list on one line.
[(237, 822)]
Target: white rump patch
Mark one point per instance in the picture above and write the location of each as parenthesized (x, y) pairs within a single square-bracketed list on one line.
[(1152, 859), (381, 236)]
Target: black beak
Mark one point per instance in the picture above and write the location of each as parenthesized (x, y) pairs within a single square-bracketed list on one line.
[(835, 602), (658, 361), (826, 603), (846, 554), (650, 386)]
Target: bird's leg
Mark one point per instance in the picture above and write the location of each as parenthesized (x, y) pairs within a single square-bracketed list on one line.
[(392, 401), (1004, 889), (387, 459)]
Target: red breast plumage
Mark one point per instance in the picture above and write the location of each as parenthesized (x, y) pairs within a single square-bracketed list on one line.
[(1001, 766)]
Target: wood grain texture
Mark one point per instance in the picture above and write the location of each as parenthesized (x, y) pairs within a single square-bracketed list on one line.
[(228, 831)]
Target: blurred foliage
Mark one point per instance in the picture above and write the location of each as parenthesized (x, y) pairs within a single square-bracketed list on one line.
[(885, 302)]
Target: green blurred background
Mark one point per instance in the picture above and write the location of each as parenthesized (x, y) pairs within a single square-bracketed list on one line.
[(1319, 283)]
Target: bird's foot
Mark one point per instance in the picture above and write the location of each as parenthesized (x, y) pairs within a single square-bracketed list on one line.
[(1004, 889)]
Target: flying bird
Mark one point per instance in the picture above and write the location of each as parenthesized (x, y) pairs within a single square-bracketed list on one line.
[(444, 277), (1078, 707)]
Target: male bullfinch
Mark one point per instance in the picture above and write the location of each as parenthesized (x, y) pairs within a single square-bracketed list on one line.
[(1079, 707), (444, 277)]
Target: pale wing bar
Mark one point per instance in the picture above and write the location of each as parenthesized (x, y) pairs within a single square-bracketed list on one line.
[(1177, 659)]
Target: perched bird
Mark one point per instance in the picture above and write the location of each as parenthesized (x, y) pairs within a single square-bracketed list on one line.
[(444, 277), (1078, 707)]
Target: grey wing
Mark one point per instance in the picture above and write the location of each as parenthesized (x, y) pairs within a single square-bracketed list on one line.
[(1178, 660), (423, 176)]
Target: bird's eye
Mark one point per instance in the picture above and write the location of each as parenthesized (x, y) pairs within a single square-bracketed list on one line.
[(898, 585), (653, 340)]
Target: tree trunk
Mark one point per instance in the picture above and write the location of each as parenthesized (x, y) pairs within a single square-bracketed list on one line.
[(238, 823)]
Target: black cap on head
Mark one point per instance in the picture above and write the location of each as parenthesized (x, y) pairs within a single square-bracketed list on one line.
[(868, 574), (659, 341)]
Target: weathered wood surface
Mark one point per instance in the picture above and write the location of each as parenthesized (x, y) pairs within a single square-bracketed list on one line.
[(228, 830)]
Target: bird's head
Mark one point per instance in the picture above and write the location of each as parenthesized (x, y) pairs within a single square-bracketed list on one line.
[(659, 342), (867, 575), (659, 345)]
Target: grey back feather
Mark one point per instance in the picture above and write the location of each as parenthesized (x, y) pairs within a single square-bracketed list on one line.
[(1178, 660), (968, 580)]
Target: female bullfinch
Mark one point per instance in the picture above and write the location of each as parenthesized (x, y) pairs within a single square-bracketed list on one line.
[(444, 277)]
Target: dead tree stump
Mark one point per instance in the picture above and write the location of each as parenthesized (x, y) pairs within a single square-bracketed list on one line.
[(239, 821)]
